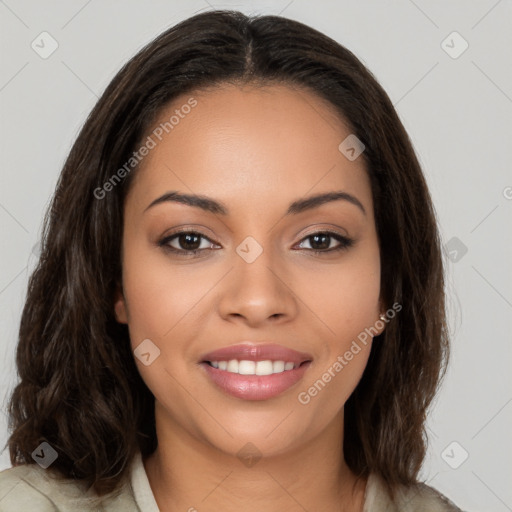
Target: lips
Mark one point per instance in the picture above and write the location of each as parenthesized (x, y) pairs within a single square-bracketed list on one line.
[(252, 386)]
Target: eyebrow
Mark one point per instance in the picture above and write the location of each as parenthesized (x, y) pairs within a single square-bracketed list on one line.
[(300, 205)]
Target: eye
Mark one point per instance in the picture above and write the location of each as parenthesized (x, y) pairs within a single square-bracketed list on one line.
[(321, 242), (187, 242)]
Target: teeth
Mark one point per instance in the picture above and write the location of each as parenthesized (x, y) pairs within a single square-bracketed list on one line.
[(253, 367), (263, 368), (233, 366), (246, 367), (278, 366)]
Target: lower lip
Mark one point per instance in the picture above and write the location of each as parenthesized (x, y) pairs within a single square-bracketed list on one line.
[(255, 387)]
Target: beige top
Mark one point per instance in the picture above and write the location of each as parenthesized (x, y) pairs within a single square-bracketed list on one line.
[(31, 488)]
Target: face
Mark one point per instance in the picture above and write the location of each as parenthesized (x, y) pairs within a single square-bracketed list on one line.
[(255, 276)]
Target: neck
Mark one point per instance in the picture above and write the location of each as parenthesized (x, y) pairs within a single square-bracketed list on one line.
[(187, 474)]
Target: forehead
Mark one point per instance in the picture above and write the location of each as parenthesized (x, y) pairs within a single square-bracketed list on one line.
[(250, 146)]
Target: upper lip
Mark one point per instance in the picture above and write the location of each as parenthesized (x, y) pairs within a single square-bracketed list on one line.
[(249, 351)]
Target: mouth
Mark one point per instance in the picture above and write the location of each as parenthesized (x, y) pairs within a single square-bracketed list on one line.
[(255, 372)]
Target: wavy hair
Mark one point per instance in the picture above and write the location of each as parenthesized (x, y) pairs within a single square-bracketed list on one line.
[(79, 388)]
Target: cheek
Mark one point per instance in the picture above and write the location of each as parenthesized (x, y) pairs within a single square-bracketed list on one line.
[(159, 306), (344, 297), (158, 294), (331, 384)]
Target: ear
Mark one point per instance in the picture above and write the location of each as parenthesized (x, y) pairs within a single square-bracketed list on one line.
[(120, 309), (382, 321)]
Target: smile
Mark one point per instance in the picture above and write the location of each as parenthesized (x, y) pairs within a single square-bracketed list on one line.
[(254, 371)]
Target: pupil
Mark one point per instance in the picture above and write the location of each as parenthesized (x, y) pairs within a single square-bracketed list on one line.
[(324, 245), (185, 241)]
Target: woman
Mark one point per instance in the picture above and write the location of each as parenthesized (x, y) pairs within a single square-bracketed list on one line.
[(239, 302)]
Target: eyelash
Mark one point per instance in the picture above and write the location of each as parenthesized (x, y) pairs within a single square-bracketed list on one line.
[(345, 242)]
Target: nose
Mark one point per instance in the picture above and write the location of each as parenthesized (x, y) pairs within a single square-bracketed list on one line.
[(258, 293)]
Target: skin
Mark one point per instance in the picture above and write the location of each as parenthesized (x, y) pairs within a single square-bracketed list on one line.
[(256, 150)]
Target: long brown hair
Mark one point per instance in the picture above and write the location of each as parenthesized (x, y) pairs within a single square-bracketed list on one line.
[(79, 387)]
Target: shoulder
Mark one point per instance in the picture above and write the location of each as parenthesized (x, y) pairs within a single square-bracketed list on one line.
[(30, 487), (422, 497), (417, 498), (23, 487)]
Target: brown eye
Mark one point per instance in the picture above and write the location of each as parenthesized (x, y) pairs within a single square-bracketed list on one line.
[(321, 242), (185, 242), (189, 241)]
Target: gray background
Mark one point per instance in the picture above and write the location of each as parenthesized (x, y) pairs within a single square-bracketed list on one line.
[(457, 112)]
